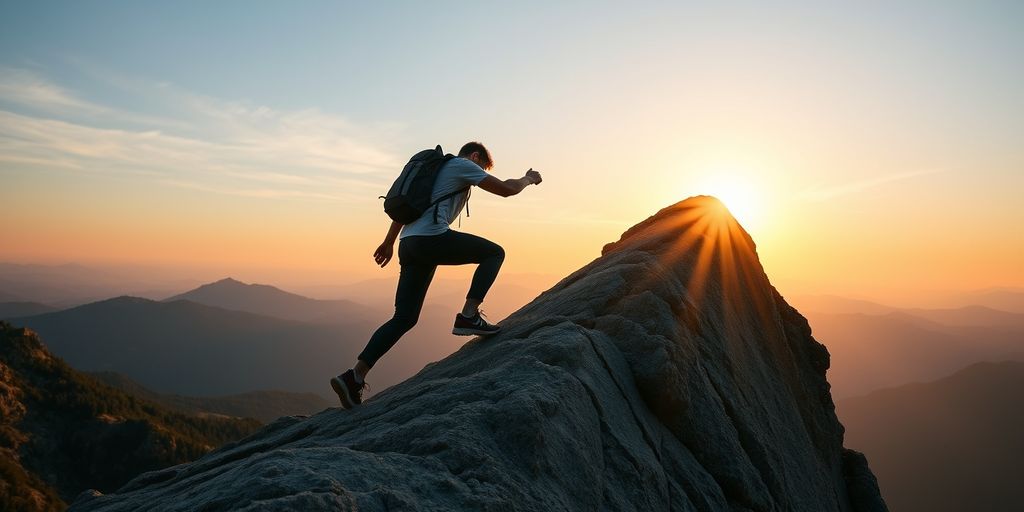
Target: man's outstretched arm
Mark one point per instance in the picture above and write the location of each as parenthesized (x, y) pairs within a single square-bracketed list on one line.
[(387, 249), (509, 187)]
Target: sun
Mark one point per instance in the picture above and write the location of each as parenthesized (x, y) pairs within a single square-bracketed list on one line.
[(738, 193)]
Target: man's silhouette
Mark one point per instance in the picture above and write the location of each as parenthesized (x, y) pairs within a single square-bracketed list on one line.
[(428, 242)]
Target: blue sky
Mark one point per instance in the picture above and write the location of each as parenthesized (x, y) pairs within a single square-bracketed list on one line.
[(409, 62)]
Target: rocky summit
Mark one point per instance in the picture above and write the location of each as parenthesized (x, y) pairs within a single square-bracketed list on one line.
[(667, 374)]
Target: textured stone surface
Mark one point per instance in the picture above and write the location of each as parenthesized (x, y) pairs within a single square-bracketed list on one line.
[(668, 374)]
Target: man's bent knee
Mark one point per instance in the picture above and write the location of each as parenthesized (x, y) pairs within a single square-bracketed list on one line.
[(499, 252), (404, 322)]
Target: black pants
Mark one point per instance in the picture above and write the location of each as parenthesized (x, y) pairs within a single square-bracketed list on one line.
[(419, 257)]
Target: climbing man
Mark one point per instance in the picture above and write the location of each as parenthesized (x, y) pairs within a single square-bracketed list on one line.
[(427, 242)]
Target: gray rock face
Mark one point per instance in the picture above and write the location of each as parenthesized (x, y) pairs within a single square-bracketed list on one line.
[(668, 374)]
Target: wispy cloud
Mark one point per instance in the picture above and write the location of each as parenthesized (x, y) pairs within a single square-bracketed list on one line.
[(249, 192), (26, 87), (822, 193), (29, 89), (212, 145)]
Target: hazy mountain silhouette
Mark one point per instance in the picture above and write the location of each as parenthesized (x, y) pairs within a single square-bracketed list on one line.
[(509, 293), (667, 374), (1004, 299), (62, 431), (1010, 299), (877, 346), (66, 286), (871, 352), (265, 406), (73, 284), (954, 444), (270, 301), (186, 348), (972, 316), (837, 304), (16, 309), (968, 316)]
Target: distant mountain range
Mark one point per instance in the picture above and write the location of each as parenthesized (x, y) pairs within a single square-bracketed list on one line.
[(870, 352), (1009, 299), (967, 315), (267, 300), (972, 316), (1005, 299), (62, 432), (836, 304), (875, 346), (72, 284), (69, 285), (17, 309), (185, 348), (229, 337), (953, 444), (265, 406), (510, 292)]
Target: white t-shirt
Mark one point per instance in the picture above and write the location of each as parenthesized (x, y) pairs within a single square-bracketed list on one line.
[(456, 174)]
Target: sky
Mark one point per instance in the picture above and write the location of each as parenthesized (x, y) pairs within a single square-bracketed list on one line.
[(872, 149)]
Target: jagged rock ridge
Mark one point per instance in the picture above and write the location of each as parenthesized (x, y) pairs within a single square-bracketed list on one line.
[(668, 374)]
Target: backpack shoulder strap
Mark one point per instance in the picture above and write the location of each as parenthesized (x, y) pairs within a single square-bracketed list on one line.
[(446, 197)]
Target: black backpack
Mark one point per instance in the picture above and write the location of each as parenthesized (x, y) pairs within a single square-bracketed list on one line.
[(410, 195)]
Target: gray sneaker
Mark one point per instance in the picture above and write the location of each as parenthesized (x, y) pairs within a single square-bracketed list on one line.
[(474, 325)]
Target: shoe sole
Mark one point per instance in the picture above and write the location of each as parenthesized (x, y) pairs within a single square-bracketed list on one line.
[(339, 388), (468, 331)]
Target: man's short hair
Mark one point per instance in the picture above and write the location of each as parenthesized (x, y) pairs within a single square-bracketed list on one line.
[(476, 147)]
